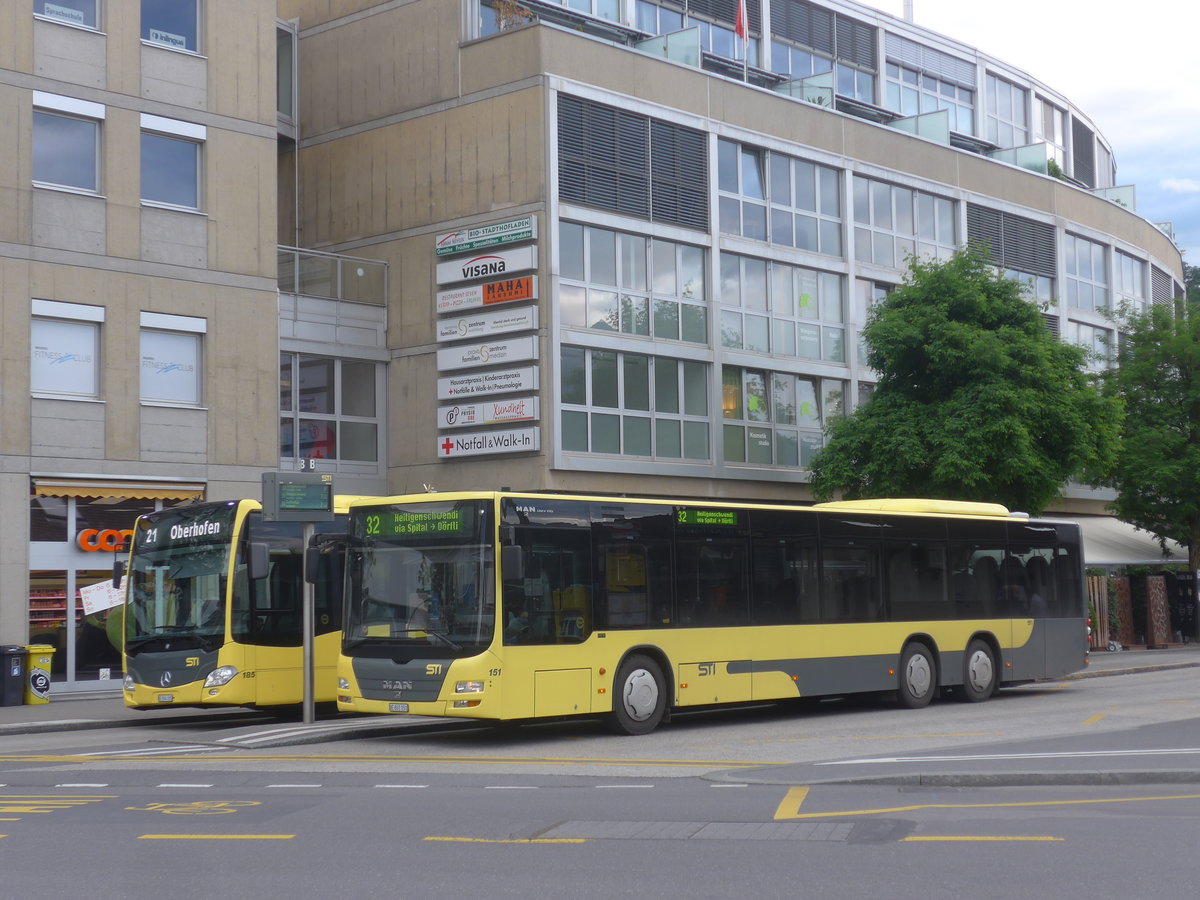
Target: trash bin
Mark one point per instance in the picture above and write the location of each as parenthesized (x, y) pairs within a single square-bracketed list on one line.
[(12, 675), (37, 673)]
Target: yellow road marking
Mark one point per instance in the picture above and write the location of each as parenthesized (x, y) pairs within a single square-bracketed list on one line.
[(1092, 720), (215, 837), (966, 837), (467, 840), (789, 806), (32, 804), (1019, 805)]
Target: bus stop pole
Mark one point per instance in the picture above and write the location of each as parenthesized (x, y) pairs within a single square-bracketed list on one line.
[(309, 602)]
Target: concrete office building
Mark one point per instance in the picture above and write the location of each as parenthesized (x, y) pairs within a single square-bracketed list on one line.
[(624, 257), (589, 245), (138, 274)]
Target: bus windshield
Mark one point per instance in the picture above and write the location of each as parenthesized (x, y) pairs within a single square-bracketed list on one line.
[(177, 577), (420, 580)]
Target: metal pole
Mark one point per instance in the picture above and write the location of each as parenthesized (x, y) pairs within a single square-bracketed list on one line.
[(309, 600)]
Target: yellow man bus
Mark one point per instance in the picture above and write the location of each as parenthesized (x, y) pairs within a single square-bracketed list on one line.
[(513, 606), (213, 609)]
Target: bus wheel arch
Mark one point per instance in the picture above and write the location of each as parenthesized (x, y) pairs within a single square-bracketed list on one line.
[(917, 675), (980, 675), (641, 692)]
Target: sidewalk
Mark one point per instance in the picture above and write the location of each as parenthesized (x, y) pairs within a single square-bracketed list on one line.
[(105, 709)]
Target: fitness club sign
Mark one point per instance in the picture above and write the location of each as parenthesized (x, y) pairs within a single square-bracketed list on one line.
[(108, 540)]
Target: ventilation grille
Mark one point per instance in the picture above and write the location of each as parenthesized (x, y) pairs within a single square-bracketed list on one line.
[(631, 164), (1013, 242), (1162, 286), (935, 62)]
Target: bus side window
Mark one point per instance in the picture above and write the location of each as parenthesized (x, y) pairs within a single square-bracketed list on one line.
[(850, 583)]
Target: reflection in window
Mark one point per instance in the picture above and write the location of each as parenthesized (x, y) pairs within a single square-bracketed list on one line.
[(1007, 116), (329, 409), (790, 202), (776, 418), (633, 405), (632, 284), (170, 170), (1087, 276), (892, 223), (781, 309), (171, 23), (66, 151), (911, 92)]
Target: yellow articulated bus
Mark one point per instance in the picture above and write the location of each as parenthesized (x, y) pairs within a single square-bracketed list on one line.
[(214, 607), (514, 606)]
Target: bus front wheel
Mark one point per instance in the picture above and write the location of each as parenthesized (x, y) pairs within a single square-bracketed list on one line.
[(979, 672), (640, 697), (918, 676)]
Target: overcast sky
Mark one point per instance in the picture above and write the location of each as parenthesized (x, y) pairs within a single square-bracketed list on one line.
[(1132, 66)]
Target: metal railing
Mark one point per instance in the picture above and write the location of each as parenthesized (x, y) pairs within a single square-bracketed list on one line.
[(332, 276)]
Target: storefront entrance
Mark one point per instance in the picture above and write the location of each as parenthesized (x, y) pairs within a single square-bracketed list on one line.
[(76, 533)]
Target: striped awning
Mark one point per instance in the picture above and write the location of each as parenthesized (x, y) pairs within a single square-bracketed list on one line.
[(131, 490)]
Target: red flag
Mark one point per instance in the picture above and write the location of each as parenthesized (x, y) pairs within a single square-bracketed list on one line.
[(739, 25)]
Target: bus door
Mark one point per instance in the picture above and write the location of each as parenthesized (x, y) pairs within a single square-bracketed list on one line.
[(1045, 604), (271, 614), (712, 579)]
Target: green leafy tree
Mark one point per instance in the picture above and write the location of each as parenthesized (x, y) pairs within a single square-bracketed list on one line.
[(976, 399), (1191, 277), (1157, 473)]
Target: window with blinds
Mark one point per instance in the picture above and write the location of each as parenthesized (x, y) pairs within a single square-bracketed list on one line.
[(631, 164)]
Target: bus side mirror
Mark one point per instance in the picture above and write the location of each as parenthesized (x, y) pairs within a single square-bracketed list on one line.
[(258, 560), (512, 563), (312, 561), (118, 571)]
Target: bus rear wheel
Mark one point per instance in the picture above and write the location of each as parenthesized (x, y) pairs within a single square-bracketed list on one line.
[(639, 696), (918, 676), (979, 672)]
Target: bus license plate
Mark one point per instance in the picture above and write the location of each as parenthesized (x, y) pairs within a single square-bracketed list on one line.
[(166, 698), (397, 707)]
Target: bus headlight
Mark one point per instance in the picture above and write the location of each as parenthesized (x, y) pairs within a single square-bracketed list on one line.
[(468, 687), (128, 683), (220, 676), (343, 684)]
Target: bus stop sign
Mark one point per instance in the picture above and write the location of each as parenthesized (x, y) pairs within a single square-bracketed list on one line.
[(297, 497)]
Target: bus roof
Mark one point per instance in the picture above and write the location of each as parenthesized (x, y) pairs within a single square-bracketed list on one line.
[(930, 507), (897, 506)]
